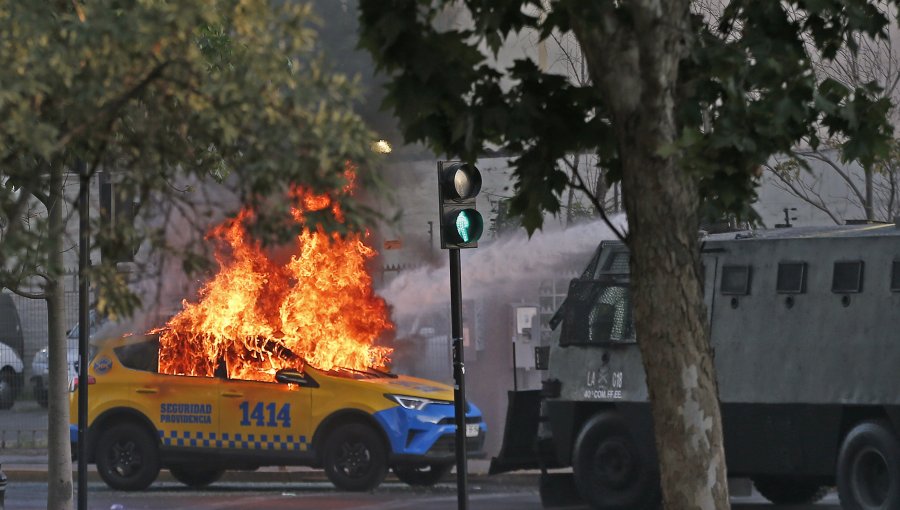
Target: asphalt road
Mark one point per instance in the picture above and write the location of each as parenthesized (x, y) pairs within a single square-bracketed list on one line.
[(25, 426), (321, 496)]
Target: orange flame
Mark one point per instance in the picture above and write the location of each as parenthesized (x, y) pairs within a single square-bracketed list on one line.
[(256, 317)]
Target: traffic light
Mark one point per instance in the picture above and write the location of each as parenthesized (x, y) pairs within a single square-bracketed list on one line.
[(461, 223), (117, 239)]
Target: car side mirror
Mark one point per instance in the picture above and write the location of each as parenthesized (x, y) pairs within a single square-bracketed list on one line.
[(293, 376)]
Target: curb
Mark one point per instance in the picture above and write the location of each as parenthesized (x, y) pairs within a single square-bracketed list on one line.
[(270, 475)]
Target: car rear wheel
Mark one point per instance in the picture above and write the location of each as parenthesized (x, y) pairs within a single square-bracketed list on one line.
[(868, 468), (194, 476), (7, 389), (422, 475), (41, 394), (355, 458), (127, 457)]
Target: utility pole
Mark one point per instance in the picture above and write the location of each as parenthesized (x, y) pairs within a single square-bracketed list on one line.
[(84, 319)]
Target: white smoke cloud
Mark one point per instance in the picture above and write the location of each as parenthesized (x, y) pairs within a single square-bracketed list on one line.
[(497, 264)]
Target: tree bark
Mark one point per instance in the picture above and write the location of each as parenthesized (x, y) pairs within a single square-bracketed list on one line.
[(60, 494), (633, 59)]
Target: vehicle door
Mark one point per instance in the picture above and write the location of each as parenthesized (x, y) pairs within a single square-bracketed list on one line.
[(265, 418), (183, 408)]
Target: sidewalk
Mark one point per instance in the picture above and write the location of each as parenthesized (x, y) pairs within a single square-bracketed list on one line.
[(31, 466)]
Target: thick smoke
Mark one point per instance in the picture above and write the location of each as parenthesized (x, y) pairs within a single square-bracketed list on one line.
[(498, 265)]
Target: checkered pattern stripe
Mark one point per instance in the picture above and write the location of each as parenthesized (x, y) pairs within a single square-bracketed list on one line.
[(282, 442)]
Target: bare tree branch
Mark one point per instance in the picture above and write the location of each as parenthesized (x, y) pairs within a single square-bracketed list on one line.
[(819, 156), (803, 193), (107, 113), (579, 184), (27, 295)]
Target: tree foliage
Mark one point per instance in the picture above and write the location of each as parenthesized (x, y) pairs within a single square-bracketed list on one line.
[(163, 94), (682, 106), (819, 176), (746, 90), (170, 97)]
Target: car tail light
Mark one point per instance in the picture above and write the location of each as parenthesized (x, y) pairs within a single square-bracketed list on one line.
[(74, 385)]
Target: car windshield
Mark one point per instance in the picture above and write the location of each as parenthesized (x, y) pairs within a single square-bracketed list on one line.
[(369, 373)]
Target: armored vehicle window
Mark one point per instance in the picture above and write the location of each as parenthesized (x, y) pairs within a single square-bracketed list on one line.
[(140, 356), (791, 278), (617, 263), (735, 280), (597, 312), (847, 277), (895, 276)]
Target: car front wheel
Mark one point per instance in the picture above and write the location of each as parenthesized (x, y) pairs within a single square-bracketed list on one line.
[(423, 475), (355, 458), (196, 477), (127, 457)]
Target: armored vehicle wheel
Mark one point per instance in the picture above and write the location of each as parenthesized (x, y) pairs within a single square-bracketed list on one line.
[(127, 457), (868, 468), (195, 476), (355, 458), (789, 491), (7, 389), (611, 471), (422, 476)]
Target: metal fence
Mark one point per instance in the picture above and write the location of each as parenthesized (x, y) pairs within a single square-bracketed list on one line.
[(33, 317), (25, 424)]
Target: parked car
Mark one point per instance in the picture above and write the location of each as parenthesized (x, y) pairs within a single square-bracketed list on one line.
[(12, 342), (354, 424), (40, 367), (40, 364)]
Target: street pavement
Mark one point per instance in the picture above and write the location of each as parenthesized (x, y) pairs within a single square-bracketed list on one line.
[(292, 487), (301, 488), (31, 465), (321, 496)]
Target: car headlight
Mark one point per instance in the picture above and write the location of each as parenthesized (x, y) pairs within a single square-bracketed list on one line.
[(414, 403)]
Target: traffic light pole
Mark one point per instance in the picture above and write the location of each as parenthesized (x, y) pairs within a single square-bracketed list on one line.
[(84, 262), (459, 377)]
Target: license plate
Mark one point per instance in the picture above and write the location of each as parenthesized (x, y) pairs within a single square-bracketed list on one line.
[(471, 430)]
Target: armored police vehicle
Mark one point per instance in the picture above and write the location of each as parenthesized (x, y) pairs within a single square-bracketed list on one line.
[(805, 327)]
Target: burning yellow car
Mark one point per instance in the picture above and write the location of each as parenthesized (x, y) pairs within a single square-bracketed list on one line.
[(356, 424)]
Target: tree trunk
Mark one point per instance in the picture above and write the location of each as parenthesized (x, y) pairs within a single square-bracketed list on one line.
[(59, 469), (672, 331), (634, 61)]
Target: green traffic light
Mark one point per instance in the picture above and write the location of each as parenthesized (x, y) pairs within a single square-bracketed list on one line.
[(469, 225), (462, 226), (461, 223)]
